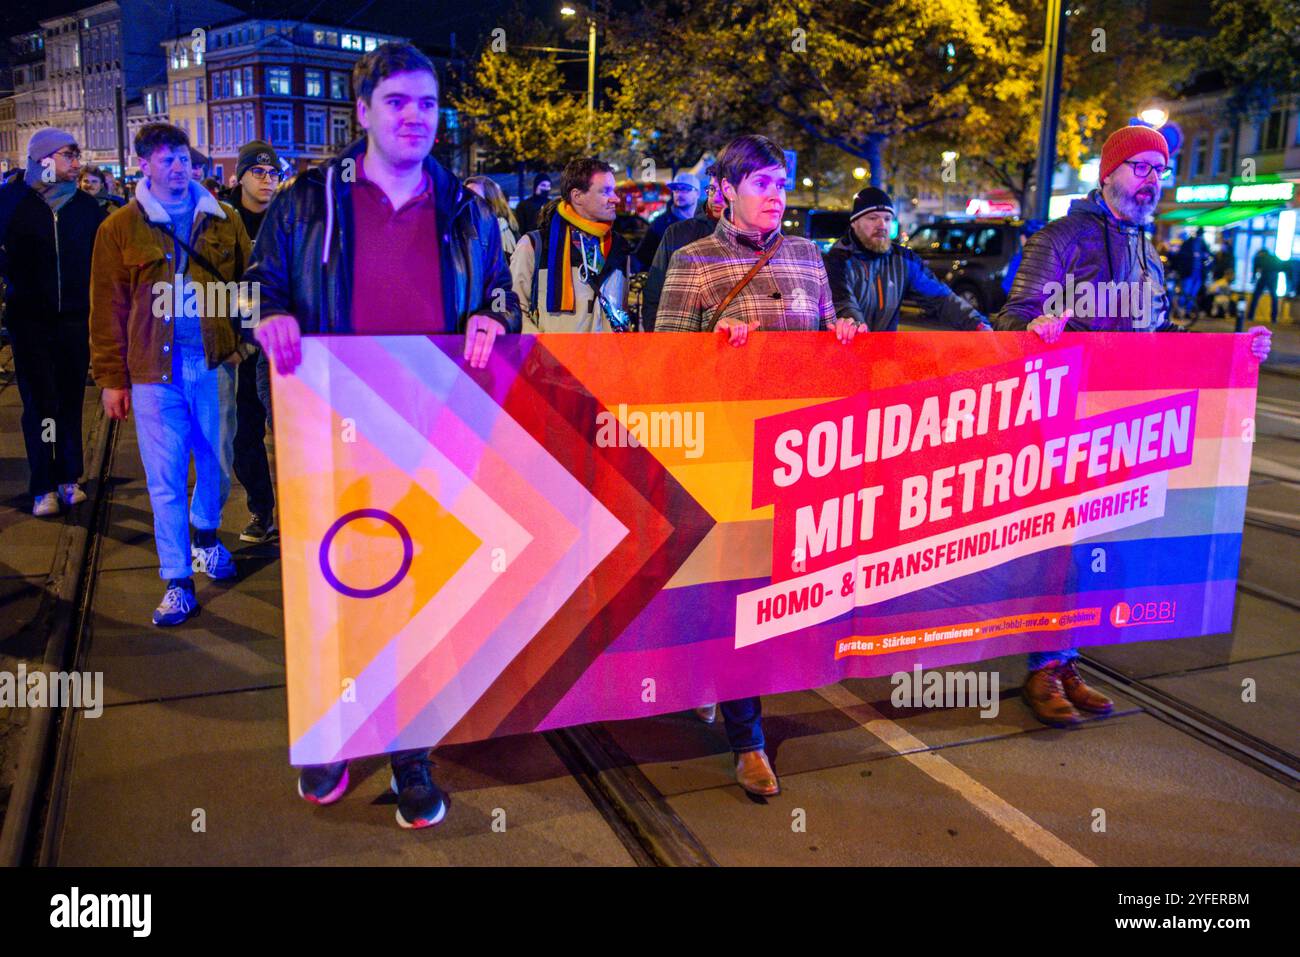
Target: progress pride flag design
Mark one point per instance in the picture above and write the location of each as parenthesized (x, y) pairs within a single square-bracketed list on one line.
[(470, 553)]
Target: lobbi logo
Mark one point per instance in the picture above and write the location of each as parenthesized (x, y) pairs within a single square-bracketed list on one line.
[(1124, 615)]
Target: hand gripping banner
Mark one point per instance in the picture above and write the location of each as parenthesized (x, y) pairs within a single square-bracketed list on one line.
[(609, 527)]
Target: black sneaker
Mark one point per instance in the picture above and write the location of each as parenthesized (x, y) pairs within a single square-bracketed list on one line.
[(323, 783), (259, 531), (420, 802)]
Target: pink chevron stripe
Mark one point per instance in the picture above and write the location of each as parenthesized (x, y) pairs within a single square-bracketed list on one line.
[(557, 558), (470, 504)]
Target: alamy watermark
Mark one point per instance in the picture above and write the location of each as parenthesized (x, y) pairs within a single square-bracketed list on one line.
[(54, 689), (1088, 299), (223, 300), (656, 430), (75, 909), (946, 689)]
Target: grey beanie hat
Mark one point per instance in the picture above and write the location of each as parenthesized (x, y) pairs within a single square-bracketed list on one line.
[(42, 144)]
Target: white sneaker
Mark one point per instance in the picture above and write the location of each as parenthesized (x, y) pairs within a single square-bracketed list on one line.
[(46, 505), (70, 494), (214, 561), (177, 605)]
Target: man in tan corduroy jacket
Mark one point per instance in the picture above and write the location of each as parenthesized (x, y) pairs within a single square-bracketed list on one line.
[(164, 340)]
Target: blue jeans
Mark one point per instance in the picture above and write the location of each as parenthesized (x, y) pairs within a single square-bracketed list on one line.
[(743, 719), (1041, 659), (193, 414)]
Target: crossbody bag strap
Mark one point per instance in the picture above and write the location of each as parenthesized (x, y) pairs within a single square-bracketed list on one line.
[(194, 254), (738, 287)]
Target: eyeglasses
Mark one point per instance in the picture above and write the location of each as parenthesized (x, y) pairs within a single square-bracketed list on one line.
[(69, 153), (1141, 170), (272, 174)]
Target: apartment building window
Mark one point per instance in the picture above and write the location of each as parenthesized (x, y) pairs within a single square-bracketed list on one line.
[(277, 80), (338, 86), (279, 127), (315, 133), (1271, 132), (239, 83), (314, 82), (248, 79), (1200, 156), (228, 123), (176, 58), (185, 58), (351, 41), (340, 130), (239, 129), (201, 129), (198, 89), (249, 124), (371, 43)]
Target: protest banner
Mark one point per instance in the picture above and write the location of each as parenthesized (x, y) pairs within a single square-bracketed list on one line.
[(611, 527)]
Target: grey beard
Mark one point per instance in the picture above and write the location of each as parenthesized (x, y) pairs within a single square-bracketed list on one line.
[(1128, 209)]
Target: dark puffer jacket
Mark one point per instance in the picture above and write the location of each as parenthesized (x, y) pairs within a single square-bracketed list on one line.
[(303, 255), (1087, 250), (869, 287)]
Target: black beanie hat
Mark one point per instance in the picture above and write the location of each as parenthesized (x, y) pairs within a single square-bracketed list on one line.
[(539, 179), (256, 153), (868, 199)]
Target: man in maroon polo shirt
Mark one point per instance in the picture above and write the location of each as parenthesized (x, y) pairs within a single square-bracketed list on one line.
[(404, 248)]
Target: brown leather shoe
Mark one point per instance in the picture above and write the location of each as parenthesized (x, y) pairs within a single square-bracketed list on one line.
[(1080, 695), (1046, 699), (754, 773), (708, 714)]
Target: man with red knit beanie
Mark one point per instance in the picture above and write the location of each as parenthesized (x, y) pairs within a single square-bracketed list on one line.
[(1096, 270)]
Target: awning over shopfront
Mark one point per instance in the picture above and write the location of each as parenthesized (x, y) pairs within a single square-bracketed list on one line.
[(1224, 215)]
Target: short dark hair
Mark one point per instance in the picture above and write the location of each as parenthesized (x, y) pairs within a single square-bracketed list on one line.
[(384, 61), (578, 173), (745, 155), (87, 171), (154, 136)]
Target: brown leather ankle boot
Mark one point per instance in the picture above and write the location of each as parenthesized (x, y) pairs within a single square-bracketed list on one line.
[(754, 773), (1080, 695), (1046, 698)]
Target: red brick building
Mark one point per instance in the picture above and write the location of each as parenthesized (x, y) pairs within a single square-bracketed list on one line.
[(285, 82)]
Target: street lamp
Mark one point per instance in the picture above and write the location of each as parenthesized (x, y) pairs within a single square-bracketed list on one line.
[(569, 11), (859, 173), (1154, 116)]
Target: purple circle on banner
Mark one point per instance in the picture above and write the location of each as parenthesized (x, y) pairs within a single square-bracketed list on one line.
[(408, 552)]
